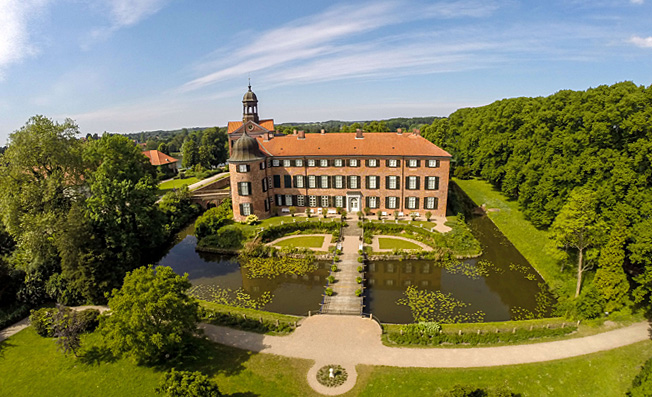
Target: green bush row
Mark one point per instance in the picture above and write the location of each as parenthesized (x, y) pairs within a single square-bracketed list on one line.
[(237, 321), (43, 320), (410, 337), (13, 314), (273, 232)]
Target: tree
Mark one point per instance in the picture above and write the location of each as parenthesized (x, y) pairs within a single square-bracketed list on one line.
[(190, 153), (610, 279), (164, 148), (187, 384), (577, 227), (152, 318), (213, 219), (67, 329)]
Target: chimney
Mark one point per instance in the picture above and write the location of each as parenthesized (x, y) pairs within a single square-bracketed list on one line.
[(323, 131), (399, 131), (302, 135), (358, 134), (416, 132)]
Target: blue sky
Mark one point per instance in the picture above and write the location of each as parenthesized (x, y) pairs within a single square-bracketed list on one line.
[(127, 66)]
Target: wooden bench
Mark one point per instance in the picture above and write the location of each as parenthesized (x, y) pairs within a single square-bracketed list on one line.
[(285, 210)]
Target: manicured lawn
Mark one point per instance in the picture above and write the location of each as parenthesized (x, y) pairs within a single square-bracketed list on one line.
[(389, 243), (177, 183), (606, 374), (302, 242), (530, 241), (32, 366)]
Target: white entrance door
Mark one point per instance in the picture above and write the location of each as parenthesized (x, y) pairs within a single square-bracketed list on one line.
[(354, 205)]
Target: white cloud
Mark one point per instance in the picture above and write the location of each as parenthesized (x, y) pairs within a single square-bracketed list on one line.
[(15, 16), (124, 13), (637, 1), (643, 42)]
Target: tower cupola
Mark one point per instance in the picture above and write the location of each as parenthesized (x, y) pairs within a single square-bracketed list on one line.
[(250, 106)]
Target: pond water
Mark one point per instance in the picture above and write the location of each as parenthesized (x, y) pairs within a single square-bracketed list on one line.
[(291, 294), (509, 288)]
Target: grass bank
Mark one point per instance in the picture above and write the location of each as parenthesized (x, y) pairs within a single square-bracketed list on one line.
[(176, 184), (531, 242), (259, 321), (302, 242)]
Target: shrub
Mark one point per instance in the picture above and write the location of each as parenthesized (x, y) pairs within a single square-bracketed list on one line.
[(234, 320), (358, 292), (228, 237), (367, 211), (251, 219), (428, 215), (89, 319), (360, 259), (293, 210), (340, 375), (187, 384), (333, 267), (360, 269), (213, 219), (43, 321), (328, 291), (358, 280), (330, 279), (336, 258), (308, 212), (642, 383)]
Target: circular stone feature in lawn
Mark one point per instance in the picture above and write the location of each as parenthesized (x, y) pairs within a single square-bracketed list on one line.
[(301, 242), (389, 243), (340, 376)]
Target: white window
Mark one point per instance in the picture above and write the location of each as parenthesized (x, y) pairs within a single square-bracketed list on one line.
[(312, 181), (353, 182), (325, 201), (411, 203), (288, 199), (393, 182), (242, 167), (412, 163), (339, 201), (392, 163), (432, 183), (353, 162), (338, 163), (391, 202), (431, 203), (286, 163), (339, 181), (311, 162), (373, 202), (298, 181), (279, 200), (301, 200), (275, 163), (433, 163), (312, 201), (246, 209), (265, 185), (323, 163), (412, 182), (298, 163), (244, 188), (373, 182), (324, 182), (373, 162), (262, 165)]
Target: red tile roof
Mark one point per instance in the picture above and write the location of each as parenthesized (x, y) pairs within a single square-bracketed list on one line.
[(345, 144), (159, 158), (234, 125)]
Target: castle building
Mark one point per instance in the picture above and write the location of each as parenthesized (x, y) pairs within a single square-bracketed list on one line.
[(386, 172)]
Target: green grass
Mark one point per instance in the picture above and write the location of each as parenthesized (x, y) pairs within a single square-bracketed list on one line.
[(31, 366), (250, 313), (250, 230), (302, 242), (531, 242), (606, 374), (177, 183), (389, 243)]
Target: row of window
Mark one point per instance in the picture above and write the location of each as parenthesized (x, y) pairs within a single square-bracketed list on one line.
[(392, 163), (373, 202), (392, 182)]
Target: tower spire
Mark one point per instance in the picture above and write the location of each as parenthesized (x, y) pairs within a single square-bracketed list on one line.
[(250, 106)]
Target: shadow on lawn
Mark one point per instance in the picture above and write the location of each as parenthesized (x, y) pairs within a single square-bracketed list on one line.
[(211, 359), (4, 345)]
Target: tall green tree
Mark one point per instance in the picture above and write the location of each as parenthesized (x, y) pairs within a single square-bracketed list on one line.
[(610, 279), (152, 318), (577, 227), (190, 153)]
